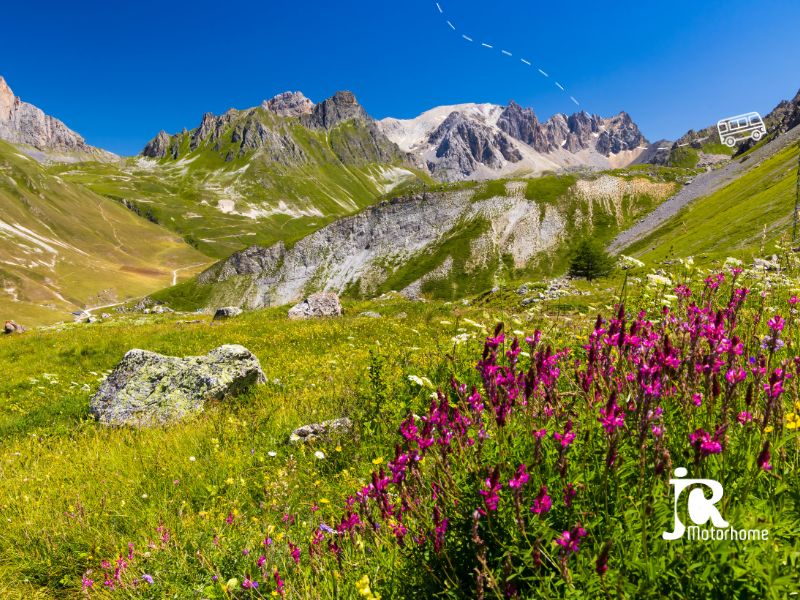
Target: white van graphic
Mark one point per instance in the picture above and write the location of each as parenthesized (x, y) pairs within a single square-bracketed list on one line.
[(741, 127)]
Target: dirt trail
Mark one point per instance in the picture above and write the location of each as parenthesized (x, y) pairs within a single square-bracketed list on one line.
[(702, 185)]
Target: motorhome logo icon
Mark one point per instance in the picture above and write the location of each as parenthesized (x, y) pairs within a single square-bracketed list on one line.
[(701, 510), (741, 127)]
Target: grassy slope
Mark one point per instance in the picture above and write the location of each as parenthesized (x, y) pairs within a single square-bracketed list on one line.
[(73, 493), (74, 465), (745, 217), (90, 251), (286, 201)]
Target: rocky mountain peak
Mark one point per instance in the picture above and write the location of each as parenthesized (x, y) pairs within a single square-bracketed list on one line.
[(340, 107), (462, 144), (289, 104), (23, 123), (158, 146)]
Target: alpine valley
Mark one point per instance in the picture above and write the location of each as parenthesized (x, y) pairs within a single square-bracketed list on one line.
[(265, 205)]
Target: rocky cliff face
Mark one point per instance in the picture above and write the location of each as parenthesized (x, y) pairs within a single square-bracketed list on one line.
[(462, 144), (785, 116), (385, 245), (477, 141), (23, 123)]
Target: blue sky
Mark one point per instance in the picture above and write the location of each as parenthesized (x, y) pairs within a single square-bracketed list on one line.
[(117, 71)]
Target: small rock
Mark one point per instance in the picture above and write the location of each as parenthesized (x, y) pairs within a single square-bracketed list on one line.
[(321, 431), (370, 314), (12, 327), (767, 264), (147, 388), (523, 289), (227, 312), (401, 315), (321, 304), (105, 316), (161, 309)]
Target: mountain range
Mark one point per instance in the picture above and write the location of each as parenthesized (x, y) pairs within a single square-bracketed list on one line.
[(292, 196)]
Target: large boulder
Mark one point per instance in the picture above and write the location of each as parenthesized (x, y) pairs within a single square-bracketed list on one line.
[(12, 327), (321, 304), (147, 388), (227, 312)]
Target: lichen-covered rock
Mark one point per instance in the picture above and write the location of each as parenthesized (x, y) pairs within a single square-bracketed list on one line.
[(227, 312), (321, 431), (161, 309), (370, 314), (147, 388), (321, 304)]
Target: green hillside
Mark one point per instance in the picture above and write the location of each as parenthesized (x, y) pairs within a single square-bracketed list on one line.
[(64, 248), (230, 191), (744, 218)]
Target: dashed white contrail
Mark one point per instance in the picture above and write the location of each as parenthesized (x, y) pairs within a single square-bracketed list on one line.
[(506, 53)]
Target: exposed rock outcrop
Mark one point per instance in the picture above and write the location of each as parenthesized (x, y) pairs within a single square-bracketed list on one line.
[(321, 304), (321, 431), (11, 327), (289, 104), (227, 312), (147, 388)]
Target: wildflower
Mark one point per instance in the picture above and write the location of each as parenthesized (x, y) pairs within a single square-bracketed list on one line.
[(272, 453), (87, 583), (569, 494), (542, 503), (601, 565), (230, 518), (262, 560), (697, 399), (612, 417), (567, 437), (520, 479), (704, 444), (362, 585), (656, 280), (570, 540), (249, 584), (776, 323), (148, 578), (744, 417), (294, 551), (493, 485), (792, 421), (319, 454), (278, 582), (764, 458), (192, 459)]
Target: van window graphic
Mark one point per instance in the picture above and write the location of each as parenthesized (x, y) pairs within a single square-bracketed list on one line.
[(741, 127)]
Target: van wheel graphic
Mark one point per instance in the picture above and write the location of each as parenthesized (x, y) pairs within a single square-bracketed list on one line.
[(730, 142), (756, 135)]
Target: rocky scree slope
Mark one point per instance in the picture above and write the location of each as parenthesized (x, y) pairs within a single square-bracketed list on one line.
[(483, 141), (445, 244), (41, 136)]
